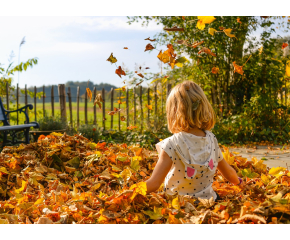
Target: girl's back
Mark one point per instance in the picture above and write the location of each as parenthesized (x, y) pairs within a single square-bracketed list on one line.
[(195, 160)]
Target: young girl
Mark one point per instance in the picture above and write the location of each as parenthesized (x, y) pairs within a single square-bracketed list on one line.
[(189, 158)]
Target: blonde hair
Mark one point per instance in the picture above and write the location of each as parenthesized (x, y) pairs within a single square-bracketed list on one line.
[(181, 110)]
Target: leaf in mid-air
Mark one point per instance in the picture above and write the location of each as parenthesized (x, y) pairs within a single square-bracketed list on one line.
[(148, 47), (238, 69), (212, 31), (207, 51), (215, 70), (125, 48), (175, 28), (149, 106), (163, 57), (89, 93), (288, 68), (284, 45), (119, 71), (112, 59), (98, 100), (151, 40), (239, 20), (202, 20), (228, 33), (123, 118), (179, 61), (140, 75)]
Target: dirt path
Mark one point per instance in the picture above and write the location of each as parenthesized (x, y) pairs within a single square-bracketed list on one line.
[(273, 156)]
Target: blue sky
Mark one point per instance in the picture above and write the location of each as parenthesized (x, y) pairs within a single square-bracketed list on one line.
[(76, 48)]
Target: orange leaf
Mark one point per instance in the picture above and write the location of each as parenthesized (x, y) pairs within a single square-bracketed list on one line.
[(195, 44), (149, 106), (89, 93), (215, 70), (120, 72), (151, 40), (123, 118), (148, 47), (140, 75), (207, 51), (238, 69), (239, 20), (284, 45), (131, 127), (125, 48)]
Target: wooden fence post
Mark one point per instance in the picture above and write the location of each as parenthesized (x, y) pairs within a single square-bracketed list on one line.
[(35, 111), (43, 100), (112, 106), (70, 105), (62, 101), (17, 102), (86, 107), (52, 100), (127, 104), (148, 103), (95, 108), (134, 97), (119, 114), (78, 106), (141, 108), (155, 98), (7, 100), (25, 99), (104, 105)]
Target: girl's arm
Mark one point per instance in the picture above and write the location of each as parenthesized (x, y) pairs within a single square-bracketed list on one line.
[(159, 173), (228, 172)]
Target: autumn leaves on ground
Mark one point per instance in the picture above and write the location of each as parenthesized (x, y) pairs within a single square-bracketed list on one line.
[(68, 179)]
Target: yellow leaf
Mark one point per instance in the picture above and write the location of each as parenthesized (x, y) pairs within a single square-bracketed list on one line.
[(227, 157), (149, 106), (228, 32), (172, 219), (212, 31), (277, 171), (202, 20), (4, 170), (126, 174), (89, 92), (139, 188), (265, 179), (19, 190), (288, 68), (175, 203), (259, 165), (260, 50), (39, 201)]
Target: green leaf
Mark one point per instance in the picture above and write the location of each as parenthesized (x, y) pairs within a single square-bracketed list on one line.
[(248, 173), (75, 162)]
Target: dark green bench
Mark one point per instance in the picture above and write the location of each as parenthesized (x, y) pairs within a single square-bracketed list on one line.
[(13, 130)]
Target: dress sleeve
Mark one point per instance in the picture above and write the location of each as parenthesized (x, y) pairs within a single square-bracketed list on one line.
[(166, 146), (218, 150)]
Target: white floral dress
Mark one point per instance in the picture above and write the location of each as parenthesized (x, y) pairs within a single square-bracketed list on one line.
[(195, 161)]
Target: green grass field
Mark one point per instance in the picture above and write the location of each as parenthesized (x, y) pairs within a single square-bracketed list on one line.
[(90, 114)]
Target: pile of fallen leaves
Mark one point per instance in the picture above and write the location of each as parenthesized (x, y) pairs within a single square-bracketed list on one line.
[(68, 179)]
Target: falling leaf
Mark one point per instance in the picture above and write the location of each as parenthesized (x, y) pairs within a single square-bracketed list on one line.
[(202, 20), (119, 71), (140, 75), (125, 48), (215, 70), (89, 93), (149, 106), (195, 44), (212, 31), (207, 51), (284, 45), (179, 61), (288, 68), (98, 100), (112, 59), (139, 83), (175, 28), (238, 69), (163, 57), (151, 40), (148, 47), (123, 118), (131, 127), (228, 32), (239, 20), (183, 18), (147, 68), (260, 50)]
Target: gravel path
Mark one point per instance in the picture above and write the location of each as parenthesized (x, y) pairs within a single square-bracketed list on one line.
[(273, 156)]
